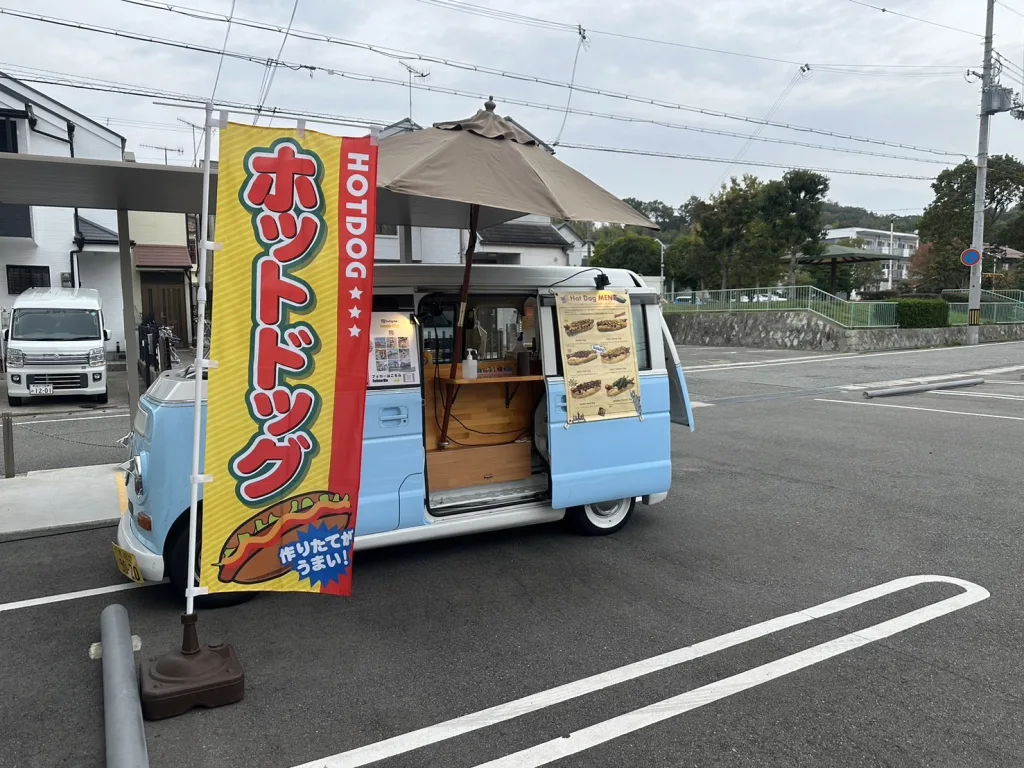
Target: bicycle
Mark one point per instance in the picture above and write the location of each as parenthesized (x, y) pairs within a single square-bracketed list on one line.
[(166, 332)]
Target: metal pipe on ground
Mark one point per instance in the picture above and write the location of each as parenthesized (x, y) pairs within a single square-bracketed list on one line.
[(122, 711), (7, 428), (909, 388)]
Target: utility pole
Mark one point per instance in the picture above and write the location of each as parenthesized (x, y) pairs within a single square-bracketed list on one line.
[(175, 150), (978, 236)]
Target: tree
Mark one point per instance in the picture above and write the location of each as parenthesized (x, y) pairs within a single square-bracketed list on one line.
[(640, 253), (946, 227), (689, 262), (723, 224), (836, 216), (792, 208)]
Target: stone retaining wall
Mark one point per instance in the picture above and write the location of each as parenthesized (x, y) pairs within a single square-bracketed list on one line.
[(788, 329)]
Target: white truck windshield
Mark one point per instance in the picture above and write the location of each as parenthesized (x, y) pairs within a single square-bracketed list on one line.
[(55, 325)]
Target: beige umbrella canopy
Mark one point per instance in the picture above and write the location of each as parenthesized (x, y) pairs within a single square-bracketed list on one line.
[(476, 173), (436, 176)]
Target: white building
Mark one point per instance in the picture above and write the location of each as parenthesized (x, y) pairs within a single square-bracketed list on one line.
[(900, 245), (41, 246)]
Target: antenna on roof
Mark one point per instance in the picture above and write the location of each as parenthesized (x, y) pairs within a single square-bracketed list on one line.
[(413, 72)]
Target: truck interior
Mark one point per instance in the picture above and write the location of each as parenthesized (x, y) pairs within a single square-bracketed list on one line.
[(494, 451)]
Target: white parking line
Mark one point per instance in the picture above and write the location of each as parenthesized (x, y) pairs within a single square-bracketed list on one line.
[(917, 408), (4, 607), (929, 379), (640, 718), (989, 395), (72, 418)]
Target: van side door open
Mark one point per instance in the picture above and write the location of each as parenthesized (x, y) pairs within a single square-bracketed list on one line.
[(610, 459)]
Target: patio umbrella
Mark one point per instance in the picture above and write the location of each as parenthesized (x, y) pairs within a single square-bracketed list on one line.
[(839, 254), (478, 172)]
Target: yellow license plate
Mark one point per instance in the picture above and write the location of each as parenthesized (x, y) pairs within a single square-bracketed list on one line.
[(127, 564)]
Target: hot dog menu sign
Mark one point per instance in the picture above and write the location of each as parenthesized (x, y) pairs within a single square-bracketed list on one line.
[(598, 356), (296, 216)]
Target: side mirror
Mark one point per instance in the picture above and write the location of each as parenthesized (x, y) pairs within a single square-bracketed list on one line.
[(106, 335)]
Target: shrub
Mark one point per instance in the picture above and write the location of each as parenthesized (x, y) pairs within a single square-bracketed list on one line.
[(878, 295), (922, 313)]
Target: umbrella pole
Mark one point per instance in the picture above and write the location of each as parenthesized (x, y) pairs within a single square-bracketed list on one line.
[(460, 326)]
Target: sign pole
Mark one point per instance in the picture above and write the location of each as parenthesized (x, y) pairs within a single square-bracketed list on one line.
[(978, 236), (192, 676)]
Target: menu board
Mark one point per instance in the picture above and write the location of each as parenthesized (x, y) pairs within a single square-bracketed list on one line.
[(394, 357), (598, 355)]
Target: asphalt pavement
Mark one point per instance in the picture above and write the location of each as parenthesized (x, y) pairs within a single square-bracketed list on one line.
[(794, 491)]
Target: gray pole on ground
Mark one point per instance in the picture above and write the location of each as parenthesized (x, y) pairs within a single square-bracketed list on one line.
[(7, 428), (122, 711), (131, 333), (978, 236)]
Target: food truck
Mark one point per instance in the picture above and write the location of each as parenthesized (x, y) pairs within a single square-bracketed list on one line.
[(562, 408)]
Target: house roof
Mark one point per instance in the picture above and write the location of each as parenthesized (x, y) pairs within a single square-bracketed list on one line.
[(95, 234), (40, 99), (513, 233), (162, 257)]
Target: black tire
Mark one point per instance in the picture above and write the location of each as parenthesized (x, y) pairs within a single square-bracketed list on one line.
[(13, 402), (177, 564), (591, 520), (102, 399)]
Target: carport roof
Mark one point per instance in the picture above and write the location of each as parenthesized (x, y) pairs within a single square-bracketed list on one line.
[(69, 182)]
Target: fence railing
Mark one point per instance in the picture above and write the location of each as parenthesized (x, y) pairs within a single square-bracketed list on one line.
[(992, 313), (849, 314), (951, 294)]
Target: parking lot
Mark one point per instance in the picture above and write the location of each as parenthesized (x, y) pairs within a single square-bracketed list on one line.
[(701, 634)]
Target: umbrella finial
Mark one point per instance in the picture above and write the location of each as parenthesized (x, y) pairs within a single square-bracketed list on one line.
[(489, 105)]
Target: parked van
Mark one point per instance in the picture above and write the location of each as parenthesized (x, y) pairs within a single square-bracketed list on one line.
[(511, 455), (55, 345)]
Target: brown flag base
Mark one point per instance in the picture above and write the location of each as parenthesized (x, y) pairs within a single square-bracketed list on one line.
[(172, 684)]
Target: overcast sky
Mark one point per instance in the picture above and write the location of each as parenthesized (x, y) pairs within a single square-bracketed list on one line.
[(937, 111)]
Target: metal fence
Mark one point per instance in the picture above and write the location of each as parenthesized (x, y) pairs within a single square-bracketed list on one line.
[(992, 313), (849, 314), (959, 295)]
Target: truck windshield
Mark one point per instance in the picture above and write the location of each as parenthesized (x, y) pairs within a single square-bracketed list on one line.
[(55, 324)]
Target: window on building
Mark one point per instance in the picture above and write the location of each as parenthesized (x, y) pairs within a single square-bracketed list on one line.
[(8, 134), (387, 229), (21, 278)]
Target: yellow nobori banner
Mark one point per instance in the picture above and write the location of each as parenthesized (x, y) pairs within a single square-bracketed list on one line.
[(279, 516)]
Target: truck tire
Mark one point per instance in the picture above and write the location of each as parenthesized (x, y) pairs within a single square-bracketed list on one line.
[(602, 518), (177, 572)]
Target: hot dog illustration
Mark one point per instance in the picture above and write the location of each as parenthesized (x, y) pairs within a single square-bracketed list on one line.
[(250, 553), (581, 357), (577, 327), (586, 389), (615, 355), (607, 326)]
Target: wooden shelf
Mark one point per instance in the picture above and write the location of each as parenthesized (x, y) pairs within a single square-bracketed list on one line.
[(492, 380)]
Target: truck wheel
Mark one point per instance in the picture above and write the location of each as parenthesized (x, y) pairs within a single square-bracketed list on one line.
[(602, 518), (177, 571), (13, 402)]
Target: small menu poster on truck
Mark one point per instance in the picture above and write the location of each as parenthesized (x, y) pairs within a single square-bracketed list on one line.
[(598, 359), (394, 360)]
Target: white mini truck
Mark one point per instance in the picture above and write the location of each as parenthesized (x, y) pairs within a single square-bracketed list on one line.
[(55, 345)]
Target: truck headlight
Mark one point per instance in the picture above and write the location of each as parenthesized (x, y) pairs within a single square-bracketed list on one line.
[(97, 356), (15, 358)]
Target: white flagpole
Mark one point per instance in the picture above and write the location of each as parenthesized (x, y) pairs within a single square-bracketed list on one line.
[(201, 365)]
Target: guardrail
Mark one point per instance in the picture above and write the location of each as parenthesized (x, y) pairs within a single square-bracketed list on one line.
[(986, 295), (849, 314)]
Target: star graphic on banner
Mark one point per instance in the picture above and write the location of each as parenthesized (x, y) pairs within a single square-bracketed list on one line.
[(355, 293), (354, 330), (355, 312)]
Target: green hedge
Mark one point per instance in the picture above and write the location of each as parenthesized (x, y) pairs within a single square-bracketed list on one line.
[(922, 313)]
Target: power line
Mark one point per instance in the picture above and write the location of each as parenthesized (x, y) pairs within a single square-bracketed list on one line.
[(224, 45), (915, 18), (756, 163), (1010, 9), (271, 71), (455, 92), (64, 78), (558, 26)]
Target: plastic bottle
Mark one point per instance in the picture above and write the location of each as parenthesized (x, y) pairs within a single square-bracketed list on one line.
[(469, 369)]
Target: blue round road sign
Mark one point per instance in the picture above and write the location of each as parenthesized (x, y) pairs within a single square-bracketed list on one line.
[(970, 257)]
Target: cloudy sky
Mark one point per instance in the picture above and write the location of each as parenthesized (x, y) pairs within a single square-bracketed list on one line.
[(872, 75)]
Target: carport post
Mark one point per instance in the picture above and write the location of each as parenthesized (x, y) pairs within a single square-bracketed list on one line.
[(131, 336)]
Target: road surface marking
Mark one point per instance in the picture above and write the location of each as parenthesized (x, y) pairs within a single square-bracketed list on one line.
[(599, 733), (4, 607), (407, 742), (917, 408), (28, 420), (990, 395), (845, 356), (698, 404)]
